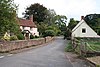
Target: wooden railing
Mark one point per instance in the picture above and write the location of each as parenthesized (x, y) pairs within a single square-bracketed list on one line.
[(80, 46)]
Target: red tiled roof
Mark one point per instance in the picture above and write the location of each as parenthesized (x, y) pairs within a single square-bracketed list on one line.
[(26, 23)]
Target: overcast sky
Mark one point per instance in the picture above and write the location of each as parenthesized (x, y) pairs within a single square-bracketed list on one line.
[(70, 8)]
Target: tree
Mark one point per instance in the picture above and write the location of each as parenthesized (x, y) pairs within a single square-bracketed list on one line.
[(72, 23), (45, 18), (49, 33), (55, 29), (42, 27), (38, 11), (8, 17), (50, 17), (93, 20), (60, 21)]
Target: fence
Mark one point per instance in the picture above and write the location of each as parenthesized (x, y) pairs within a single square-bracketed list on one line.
[(81, 46)]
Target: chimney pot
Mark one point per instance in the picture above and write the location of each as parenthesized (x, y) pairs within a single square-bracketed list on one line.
[(82, 17)]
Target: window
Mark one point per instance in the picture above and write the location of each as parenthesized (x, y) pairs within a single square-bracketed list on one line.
[(83, 30), (31, 28), (23, 27)]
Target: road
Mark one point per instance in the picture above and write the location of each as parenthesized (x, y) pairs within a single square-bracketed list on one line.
[(51, 55)]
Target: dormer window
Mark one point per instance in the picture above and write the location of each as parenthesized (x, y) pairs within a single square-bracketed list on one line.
[(83, 30)]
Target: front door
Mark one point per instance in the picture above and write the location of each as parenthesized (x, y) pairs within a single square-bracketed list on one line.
[(27, 36)]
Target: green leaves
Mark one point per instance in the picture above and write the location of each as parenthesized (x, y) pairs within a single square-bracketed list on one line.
[(38, 12), (8, 17), (72, 23), (93, 20), (46, 18), (49, 33)]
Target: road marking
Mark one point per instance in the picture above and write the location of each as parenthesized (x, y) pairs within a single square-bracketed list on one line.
[(10, 55), (2, 56)]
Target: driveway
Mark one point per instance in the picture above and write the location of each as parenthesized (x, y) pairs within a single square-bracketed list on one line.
[(51, 55)]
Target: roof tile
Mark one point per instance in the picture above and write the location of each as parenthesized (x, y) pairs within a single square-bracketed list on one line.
[(26, 23)]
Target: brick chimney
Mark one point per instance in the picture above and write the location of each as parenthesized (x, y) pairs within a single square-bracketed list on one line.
[(82, 17), (31, 18)]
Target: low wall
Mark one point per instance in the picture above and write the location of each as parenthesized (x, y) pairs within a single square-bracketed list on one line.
[(19, 44)]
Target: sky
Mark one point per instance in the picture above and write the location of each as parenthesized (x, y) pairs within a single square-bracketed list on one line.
[(70, 8)]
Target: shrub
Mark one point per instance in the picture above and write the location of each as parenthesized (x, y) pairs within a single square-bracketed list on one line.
[(49, 33), (20, 36), (32, 37), (69, 47), (36, 36), (6, 37), (13, 37)]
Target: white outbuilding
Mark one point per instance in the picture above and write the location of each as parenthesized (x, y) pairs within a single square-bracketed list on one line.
[(82, 29)]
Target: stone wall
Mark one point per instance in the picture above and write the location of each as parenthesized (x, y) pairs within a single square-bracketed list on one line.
[(19, 44)]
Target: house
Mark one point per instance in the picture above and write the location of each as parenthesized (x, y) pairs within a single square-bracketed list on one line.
[(82, 29), (28, 27)]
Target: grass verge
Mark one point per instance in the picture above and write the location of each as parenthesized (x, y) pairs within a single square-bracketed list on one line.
[(68, 47)]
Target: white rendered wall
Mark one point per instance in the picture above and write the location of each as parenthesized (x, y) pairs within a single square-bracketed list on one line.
[(34, 31), (89, 32)]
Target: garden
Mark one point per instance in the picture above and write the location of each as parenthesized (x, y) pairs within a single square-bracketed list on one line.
[(87, 48)]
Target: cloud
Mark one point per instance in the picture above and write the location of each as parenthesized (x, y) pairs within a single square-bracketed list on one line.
[(76, 8), (70, 8)]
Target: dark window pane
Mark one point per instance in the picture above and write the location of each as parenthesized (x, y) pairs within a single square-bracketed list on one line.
[(83, 30)]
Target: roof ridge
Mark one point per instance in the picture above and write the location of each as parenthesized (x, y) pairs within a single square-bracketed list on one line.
[(81, 22), (26, 22)]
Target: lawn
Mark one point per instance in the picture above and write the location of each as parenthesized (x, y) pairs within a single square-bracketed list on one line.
[(94, 45), (68, 47)]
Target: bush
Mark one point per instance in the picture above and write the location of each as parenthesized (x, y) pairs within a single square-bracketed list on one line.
[(49, 33), (6, 37), (69, 47), (32, 37), (67, 34), (13, 37), (20, 36), (36, 36)]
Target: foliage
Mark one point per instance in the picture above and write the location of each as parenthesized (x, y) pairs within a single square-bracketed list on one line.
[(93, 20), (49, 33), (92, 44), (6, 37), (42, 27), (50, 17), (45, 18), (38, 12), (32, 37), (8, 17), (36, 36), (68, 47), (60, 21), (20, 36), (13, 37), (54, 28), (71, 25), (67, 34)]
